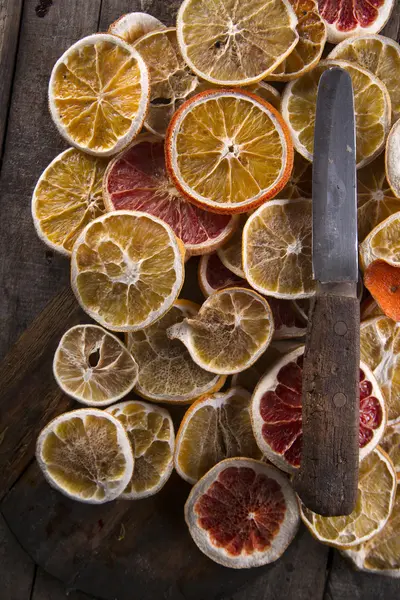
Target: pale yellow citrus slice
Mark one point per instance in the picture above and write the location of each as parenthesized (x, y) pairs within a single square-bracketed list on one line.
[(228, 150), (215, 427), (235, 43), (392, 157), (127, 269), (307, 52), (378, 54), (277, 249), (132, 26), (86, 455), (230, 332), (243, 513), (151, 434), (267, 93), (375, 500), (67, 197), (383, 242), (371, 102), (99, 94), (300, 181), (380, 350), (167, 372), (93, 366), (391, 444), (230, 253)]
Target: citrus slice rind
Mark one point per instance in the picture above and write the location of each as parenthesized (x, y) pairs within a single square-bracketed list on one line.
[(93, 366), (383, 283), (214, 428), (392, 158), (213, 275), (230, 332), (127, 269), (375, 501), (167, 372), (151, 434), (382, 243), (391, 444), (67, 196), (230, 253), (229, 43), (242, 513), (132, 26), (99, 94), (86, 455), (228, 150)]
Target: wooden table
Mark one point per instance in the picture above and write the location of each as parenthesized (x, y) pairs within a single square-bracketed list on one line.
[(33, 34)]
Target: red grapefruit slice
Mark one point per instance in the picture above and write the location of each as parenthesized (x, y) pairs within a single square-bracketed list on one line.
[(345, 18), (137, 180), (277, 419)]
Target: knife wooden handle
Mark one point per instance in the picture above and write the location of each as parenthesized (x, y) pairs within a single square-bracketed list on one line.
[(328, 477)]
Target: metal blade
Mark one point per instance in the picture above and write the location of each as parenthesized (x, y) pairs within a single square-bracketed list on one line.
[(335, 244)]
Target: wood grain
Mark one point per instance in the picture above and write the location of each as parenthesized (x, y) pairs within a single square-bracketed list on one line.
[(16, 568), (49, 588)]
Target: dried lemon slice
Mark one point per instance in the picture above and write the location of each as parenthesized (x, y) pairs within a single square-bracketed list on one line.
[(230, 253), (391, 444), (382, 242), (393, 159), (132, 26)]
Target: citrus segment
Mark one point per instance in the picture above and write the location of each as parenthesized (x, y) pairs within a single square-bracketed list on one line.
[(300, 181), (230, 253), (383, 282), (235, 43), (382, 243), (127, 269), (151, 434), (391, 444), (86, 455), (228, 150), (132, 26), (242, 513), (392, 157), (99, 93)]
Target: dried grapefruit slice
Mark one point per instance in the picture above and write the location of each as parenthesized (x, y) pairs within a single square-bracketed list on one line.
[(151, 434), (132, 26), (93, 366), (230, 253), (229, 333), (277, 415), (86, 455), (228, 150), (393, 159), (375, 500), (242, 513), (137, 180), (383, 282), (167, 372), (213, 275), (99, 94), (127, 269), (382, 243), (391, 444), (237, 43), (215, 427), (345, 18), (300, 181)]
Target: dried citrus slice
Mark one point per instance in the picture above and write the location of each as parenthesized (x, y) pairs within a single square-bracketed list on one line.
[(228, 150), (393, 159), (132, 26), (137, 180), (380, 350), (381, 554), (230, 253), (369, 309), (312, 37), (383, 282), (391, 444), (67, 197), (243, 513), (213, 275), (237, 43), (267, 93), (171, 80), (127, 269), (300, 181), (86, 455), (277, 249), (382, 242), (167, 372), (99, 94), (371, 103), (277, 415), (344, 19), (288, 320), (93, 366), (151, 434), (378, 54), (231, 330), (215, 427)]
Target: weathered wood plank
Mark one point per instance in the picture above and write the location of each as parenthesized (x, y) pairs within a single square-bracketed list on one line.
[(16, 568), (49, 588)]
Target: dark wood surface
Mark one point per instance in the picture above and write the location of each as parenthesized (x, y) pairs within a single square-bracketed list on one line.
[(33, 34)]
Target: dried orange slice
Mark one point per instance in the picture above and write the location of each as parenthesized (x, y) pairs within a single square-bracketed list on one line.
[(151, 434), (213, 275), (307, 52), (383, 282), (230, 253), (127, 269), (167, 372), (382, 243), (93, 366), (99, 94), (300, 181), (237, 43), (393, 159), (242, 513), (132, 26), (86, 455), (372, 110), (277, 249), (391, 444), (229, 333), (213, 428), (228, 151), (67, 197)]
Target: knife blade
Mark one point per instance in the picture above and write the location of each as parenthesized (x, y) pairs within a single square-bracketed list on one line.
[(328, 476)]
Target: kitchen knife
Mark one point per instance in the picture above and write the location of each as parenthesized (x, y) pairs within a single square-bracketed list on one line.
[(328, 476)]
